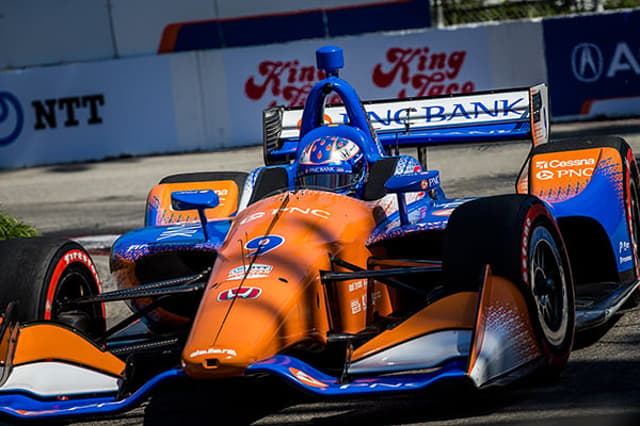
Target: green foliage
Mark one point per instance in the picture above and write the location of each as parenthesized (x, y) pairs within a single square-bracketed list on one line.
[(11, 227), (454, 12)]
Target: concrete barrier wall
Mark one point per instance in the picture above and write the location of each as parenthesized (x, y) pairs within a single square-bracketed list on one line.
[(207, 100), (213, 99), (44, 32), (88, 111), (36, 32)]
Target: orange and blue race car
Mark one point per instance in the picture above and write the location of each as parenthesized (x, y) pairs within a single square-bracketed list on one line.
[(339, 266)]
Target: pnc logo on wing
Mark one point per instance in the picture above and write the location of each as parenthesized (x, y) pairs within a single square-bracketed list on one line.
[(545, 175), (241, 293)]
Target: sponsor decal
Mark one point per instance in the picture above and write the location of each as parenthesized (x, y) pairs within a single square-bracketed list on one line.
[(422, 72), (623, 246), (375, 385), (306, 379), (524, 254), (290, 210), (573, 168), (625, 259), (257, 271), (445, 212), (356, 306), (490, 108), (356, 285), (136, 247), (262, 245), (588, 64), (179, 231), (452, 204), (240, 293), (545, 175), (227, 353), (11, 118), (554, 164)]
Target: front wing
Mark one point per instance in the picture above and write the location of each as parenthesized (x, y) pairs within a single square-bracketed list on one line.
[(500, 346)]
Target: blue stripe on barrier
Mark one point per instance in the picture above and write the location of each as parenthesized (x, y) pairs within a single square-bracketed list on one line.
[(278, 28)]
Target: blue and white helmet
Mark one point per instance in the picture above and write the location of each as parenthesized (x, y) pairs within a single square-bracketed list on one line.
[(332, 163)]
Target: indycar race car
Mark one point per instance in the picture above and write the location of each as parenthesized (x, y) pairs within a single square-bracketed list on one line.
[(339, 266)]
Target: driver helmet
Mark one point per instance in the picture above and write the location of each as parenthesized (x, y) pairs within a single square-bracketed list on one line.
[(332, 163)]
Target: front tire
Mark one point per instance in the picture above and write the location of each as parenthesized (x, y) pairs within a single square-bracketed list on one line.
[(42, 275), (518, 237)]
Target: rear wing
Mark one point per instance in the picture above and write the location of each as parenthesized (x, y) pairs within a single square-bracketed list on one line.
[(497, 116)]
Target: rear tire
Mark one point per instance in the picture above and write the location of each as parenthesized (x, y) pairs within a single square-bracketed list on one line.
[(518, 237), (42, 274), (634, 224)]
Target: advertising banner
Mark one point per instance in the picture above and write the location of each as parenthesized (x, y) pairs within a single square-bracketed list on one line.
[(594, 65), (382, 66), (86, 111)]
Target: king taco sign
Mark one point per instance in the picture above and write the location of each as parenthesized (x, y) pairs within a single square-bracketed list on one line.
[(409, 72)]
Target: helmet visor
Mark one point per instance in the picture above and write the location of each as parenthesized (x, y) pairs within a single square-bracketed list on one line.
[(336, 182)]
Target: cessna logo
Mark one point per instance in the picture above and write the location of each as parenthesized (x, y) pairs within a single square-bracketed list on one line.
[(554, 164), (241, 293)]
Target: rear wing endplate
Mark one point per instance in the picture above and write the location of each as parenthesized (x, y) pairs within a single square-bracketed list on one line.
[(484, 117)]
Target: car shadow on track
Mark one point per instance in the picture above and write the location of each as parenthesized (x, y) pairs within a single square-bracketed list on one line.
[(271, 402)]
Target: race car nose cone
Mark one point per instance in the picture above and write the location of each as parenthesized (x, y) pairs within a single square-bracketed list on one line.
[(214, 361)]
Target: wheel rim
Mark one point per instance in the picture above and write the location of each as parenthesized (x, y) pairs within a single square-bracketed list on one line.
[(549, 286), (72, 286)]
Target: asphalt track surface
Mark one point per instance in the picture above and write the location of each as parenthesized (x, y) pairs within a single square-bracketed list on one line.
[(601, 385)]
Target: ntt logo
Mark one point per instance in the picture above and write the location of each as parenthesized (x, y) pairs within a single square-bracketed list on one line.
[(11, 118)]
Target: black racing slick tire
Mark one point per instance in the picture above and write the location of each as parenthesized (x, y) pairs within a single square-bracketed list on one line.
[(633, 213), (42, 275), (518, 237)]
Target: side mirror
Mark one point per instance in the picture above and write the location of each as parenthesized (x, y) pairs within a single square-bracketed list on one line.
[(194, 200), (428, 181), (200, 200)]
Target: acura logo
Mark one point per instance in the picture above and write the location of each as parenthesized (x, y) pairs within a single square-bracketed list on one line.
[(586, 62)]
